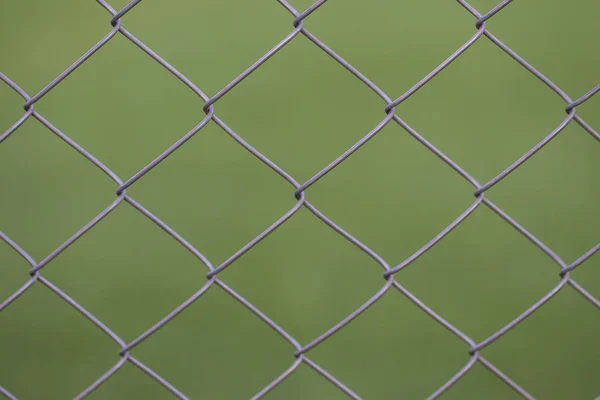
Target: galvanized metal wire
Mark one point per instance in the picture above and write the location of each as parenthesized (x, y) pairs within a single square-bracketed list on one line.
[(301, 351)]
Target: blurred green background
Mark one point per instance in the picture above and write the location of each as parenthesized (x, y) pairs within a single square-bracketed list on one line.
[(301, 109)]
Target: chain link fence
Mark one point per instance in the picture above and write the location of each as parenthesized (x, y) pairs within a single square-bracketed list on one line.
[(300, 351)]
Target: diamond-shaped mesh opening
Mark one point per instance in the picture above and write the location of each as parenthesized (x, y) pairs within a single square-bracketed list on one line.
[(159, 109), (550, 39), (414, 352), (499, 270), (285, 122), (487, 112), (203, 29), (50, 191), (396, 47), (37, 46), (41, 334), (409, 199), (213, 342), (508, 112), (566, 222), (223, 207), (326, 280), (144, 276)]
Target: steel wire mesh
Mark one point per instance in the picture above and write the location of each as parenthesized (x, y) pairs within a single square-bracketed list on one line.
[(301, 351)]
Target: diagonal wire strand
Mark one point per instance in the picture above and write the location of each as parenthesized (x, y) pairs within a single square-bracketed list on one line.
[(390, 274)]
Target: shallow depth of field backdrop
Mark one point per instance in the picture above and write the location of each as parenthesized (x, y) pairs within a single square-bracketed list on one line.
[(302, 110)]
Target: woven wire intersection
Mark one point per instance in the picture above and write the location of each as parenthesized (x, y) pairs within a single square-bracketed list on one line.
[(391, 108)]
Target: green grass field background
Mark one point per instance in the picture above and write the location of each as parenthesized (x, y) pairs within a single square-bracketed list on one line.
[(302, 110)]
